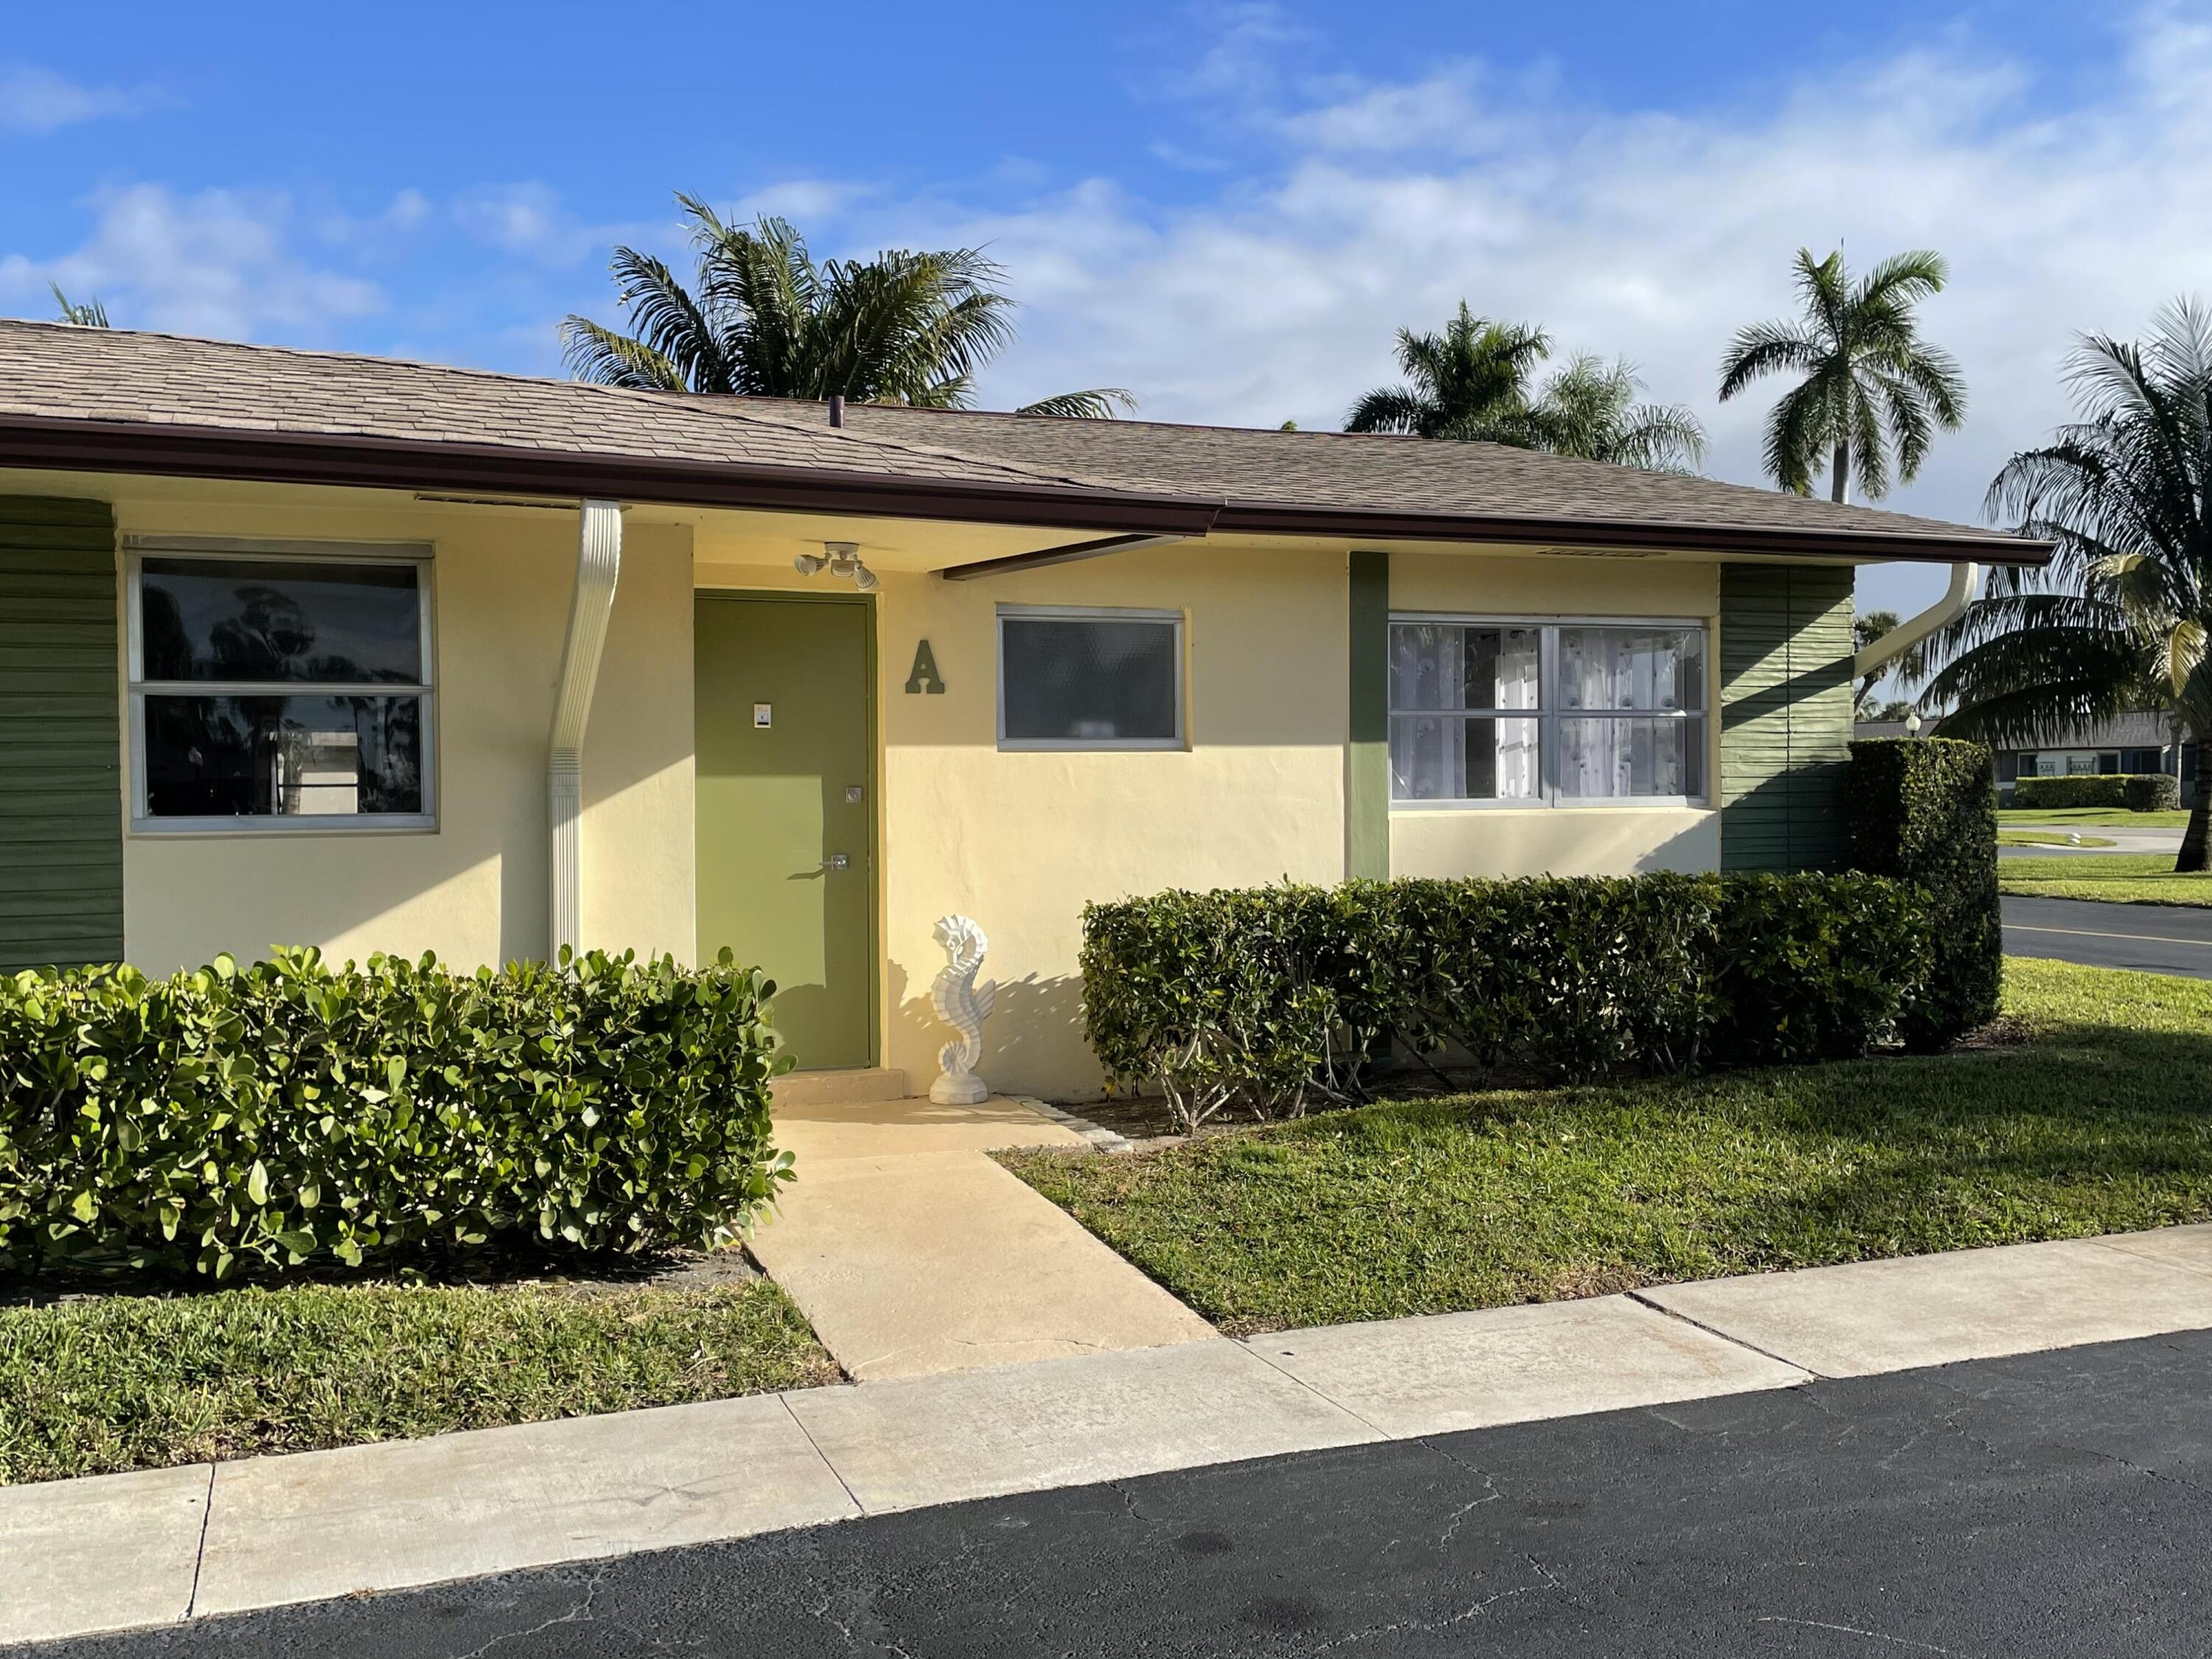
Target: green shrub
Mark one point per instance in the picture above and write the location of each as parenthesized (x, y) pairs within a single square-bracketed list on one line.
[(2151, 792), (1815, 967), (1267, 998), (2080, 789), (1923, 810), (291, 1115), (1581, 975)]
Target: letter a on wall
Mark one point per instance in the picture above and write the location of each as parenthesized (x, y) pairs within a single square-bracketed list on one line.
[(924, 676)]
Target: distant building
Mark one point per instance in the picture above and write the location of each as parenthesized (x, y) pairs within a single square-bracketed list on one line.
[(2128, 743)]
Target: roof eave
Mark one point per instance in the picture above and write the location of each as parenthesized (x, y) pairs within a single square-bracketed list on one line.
[(1657, 535), (372, 463), (259, 455)]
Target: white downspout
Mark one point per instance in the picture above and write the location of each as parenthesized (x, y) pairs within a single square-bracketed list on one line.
[(598, 563), (1965, 579)]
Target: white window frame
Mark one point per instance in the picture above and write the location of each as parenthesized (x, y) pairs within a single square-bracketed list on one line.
[(244, 550), (1091, 613), (1548, 714)]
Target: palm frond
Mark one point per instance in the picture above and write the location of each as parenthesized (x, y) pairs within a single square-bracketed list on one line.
[(91, 314), (1102, 402), (592, 352), (1764, 349), (1797, 436), (1904, 279), (1386, 409)]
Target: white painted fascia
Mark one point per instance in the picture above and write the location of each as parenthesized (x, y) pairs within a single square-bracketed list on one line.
[(599, 563), (1965, 579)]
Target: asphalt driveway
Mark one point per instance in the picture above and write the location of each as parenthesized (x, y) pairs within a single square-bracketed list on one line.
[(2050, 1504), (2157, 938)]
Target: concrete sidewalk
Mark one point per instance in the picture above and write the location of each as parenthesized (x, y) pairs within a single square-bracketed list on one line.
[(120, 1551), (913, 1253)]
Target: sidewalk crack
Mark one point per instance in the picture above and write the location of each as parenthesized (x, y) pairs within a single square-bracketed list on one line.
[(1643, 1301), (1250, 1345), (836, 1473), (199, 1554)]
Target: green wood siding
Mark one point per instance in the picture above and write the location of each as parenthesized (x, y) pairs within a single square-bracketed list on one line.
[(1786, 650), (61, 800), (1367, 759)]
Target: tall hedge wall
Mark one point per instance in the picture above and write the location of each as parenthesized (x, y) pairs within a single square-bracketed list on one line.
[(1925, 809)]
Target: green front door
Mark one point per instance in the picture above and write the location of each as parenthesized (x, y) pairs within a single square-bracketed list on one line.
[(787, 811)]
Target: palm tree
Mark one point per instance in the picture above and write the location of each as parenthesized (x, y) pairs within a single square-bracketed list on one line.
[(1471, 383), (90, 314), (2120, 617), (1873, 392), (767, 320), (1589, 409), (1910, 668)]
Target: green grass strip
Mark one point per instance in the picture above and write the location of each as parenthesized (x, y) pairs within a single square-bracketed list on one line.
[(143, 1382), (2113, 817), (2114, 877), (2096, 1123)]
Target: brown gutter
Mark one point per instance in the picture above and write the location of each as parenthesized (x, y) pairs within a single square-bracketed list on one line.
[(1356, 524), (368, 463)]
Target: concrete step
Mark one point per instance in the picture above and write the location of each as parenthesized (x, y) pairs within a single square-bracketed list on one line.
[(861, 1083)]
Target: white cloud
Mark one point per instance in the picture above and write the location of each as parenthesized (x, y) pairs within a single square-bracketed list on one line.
[(36, 99), (1655, 235), (218, 263), (805, 201)]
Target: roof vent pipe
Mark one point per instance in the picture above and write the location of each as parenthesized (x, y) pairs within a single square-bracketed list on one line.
[(836, 409)]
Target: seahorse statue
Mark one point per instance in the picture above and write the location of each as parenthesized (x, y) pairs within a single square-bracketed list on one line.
[(964, 1006)]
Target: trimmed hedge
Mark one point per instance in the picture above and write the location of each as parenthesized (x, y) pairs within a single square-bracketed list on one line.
[(291, 1115), (1924, 810), (2151, 792), (2085, 788), (1264, 998)]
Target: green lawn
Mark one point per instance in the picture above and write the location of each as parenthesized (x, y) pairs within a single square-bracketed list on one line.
[(2113, 817), (2117, 877), (2100, 1121), (141, 1382)]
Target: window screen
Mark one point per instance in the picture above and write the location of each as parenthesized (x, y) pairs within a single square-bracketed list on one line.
[(1099, 679)]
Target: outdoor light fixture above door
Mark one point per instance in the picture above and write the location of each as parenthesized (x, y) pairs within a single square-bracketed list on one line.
[(839, 559)]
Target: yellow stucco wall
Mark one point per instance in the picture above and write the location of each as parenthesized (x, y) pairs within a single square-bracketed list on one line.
[(1588, 840), (473, 889), (1020, 840)]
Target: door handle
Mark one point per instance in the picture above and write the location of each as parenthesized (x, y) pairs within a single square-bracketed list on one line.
[(835, 861)]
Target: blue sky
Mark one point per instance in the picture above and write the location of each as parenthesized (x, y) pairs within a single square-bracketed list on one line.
[(1228, 208)]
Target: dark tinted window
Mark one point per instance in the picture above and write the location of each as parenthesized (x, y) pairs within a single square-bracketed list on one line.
[(281, 620), (280, 757), (1089, 679)]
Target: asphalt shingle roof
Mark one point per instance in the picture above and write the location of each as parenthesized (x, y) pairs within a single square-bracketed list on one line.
[(101, 398), (1363, 472), (56, 371)]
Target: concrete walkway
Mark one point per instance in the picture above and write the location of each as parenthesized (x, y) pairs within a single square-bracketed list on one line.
[(913, 1253), (124, 1550)]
